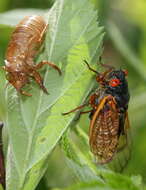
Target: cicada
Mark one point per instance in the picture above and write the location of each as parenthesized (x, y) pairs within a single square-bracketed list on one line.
[(109, 113), (24, 44)]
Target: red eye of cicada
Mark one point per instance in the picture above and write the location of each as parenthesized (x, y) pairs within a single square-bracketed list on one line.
[(114, 82)]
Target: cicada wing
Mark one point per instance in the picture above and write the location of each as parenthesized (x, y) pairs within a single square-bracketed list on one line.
[(123, 154), (104, 130)]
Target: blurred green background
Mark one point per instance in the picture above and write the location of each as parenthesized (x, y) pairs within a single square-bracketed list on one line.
[(125, 47)]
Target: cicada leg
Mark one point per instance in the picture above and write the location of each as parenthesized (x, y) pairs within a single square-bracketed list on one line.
[(39, 80), (75, 109), (83, 112), (90, 102), (42, 63)]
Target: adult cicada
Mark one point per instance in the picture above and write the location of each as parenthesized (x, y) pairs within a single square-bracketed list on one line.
[(109, 113)]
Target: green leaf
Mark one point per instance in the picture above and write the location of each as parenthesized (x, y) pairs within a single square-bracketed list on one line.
[(35, 124), (77, 161)]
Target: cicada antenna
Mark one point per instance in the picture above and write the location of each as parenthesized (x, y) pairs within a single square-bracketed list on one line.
[(105, 65), (90, 68)]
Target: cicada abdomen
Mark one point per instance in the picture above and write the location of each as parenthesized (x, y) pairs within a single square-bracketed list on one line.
[(22, 49)]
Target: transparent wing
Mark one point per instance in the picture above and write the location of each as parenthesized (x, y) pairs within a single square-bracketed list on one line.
[(123, 155)]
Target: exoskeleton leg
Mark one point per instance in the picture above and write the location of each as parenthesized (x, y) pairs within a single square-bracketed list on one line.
[(39, 80), (42, 63)]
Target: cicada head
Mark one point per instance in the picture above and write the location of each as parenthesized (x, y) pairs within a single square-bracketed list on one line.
[(116, 81)]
